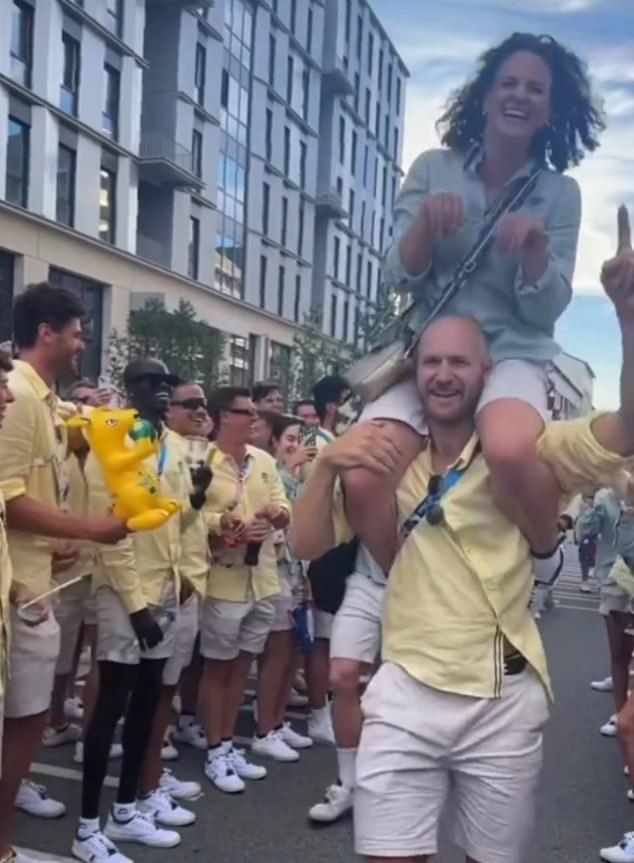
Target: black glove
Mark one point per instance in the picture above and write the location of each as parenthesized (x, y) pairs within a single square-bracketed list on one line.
[(201, 479), (146, 629)]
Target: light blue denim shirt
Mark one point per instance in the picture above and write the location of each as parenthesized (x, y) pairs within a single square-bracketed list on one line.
[(602, 521), (517, 319)]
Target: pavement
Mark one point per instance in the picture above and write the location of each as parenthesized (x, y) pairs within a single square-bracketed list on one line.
[(582, 799)]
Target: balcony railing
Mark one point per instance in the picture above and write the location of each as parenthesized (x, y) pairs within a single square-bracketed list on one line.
[(164, 161), (329, 203)]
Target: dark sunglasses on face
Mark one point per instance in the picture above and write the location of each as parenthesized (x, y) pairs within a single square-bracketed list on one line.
[(191, 404)]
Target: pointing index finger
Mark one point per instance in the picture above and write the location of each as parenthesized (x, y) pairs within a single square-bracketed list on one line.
[(625, 230)]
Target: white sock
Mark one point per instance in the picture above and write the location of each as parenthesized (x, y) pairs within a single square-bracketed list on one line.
[(123, 811), (321, 712), (87, 826), (347, 762), (227, 746)]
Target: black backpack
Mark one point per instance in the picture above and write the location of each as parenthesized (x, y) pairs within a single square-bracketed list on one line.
[(328, 575)]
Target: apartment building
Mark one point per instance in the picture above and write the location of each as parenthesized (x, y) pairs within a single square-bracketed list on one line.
[(157, 150)]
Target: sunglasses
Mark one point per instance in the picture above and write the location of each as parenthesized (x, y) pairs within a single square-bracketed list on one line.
[(434, 513), (190, 404)]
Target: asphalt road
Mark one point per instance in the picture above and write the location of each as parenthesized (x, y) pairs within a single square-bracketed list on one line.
[(582, 802)]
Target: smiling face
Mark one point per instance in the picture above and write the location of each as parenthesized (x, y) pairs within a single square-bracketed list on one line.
[(518, 105), (288, 442), (188, 411), (452, 364)]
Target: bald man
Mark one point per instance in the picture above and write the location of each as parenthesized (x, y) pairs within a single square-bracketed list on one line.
[(463, 693)]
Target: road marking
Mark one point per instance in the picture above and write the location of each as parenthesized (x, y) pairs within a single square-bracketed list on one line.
[(44, 856)]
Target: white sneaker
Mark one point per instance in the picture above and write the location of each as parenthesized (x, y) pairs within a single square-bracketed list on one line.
[(320, 727), (337, 802), (97, 848), (168, 751), (294, 738), (220, 771), (59, 736), (192, 735), (297, 699), (178, 788), (165, 811), (610, 728), (74, 709), (273, 746), (141, 828), (537, 615), (548, 569), (34, 800), (116, 751), (605, 685), (630, 795), (626, 770), (244, 768), (621, 853), (584, 587)]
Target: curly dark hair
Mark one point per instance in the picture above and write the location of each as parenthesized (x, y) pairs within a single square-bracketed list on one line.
[(576, 118)]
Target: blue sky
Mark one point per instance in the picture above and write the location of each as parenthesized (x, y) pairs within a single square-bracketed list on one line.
[(440, 41)]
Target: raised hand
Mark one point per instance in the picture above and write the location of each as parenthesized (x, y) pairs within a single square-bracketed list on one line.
[(443, 215), (617, 275)]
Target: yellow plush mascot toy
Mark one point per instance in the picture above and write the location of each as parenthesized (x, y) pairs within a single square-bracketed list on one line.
[(121, 442)]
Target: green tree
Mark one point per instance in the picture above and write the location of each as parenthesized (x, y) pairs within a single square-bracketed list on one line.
[(188, 346), (313, 355)]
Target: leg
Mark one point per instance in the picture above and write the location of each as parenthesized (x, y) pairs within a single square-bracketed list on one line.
[(57, 718), (91, 685), (370, 502), (625, 722), (317, 674), (190, 681), (211, 698), (21, 739), (524, 488), (116, 681), (273, 679), (234, 693), (152, 766), (620, 656)]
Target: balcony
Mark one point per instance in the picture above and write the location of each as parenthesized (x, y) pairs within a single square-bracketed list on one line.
[(329, 204), (164, 162), (335, 81)]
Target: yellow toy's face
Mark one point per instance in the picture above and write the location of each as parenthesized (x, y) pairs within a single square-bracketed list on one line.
[(106, 423)]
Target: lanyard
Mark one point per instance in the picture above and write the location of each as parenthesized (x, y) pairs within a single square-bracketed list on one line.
[(162, 458), (433, 497)]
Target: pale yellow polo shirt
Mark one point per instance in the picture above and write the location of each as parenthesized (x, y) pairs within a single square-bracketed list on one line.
[(5, 586), (33, 450), (457, 590), (229, 578), (195, 558), (144, 567)]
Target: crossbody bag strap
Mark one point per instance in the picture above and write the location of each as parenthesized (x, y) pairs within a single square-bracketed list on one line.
[(509, 203)]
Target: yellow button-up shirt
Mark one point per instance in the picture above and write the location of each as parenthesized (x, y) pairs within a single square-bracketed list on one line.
[(195, 557), (144, 567), (33, 450), (457, 590), (5, 586), (229, 578)]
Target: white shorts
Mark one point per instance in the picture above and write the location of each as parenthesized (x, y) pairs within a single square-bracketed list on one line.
[(508, 379), (418, 743), (187, 630), (356, 630), (32, 660), (70, 613), (323, 624), (283, 603), (116, 641), (230, 628)]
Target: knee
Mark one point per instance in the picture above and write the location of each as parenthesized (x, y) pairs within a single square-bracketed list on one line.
[(344, 677), (508, 454), (362, 486)]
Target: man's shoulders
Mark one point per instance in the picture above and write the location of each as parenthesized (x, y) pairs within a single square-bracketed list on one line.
[(261, 457)]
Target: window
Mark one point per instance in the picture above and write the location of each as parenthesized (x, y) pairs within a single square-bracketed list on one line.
[(359, 36), (398, 96), (395, 144), (348, 264), (287, 150), (200, 73), (298, 297), (290, 72), (107, 187), (342, 140), (293, 16), (359, 270), (386, 136), (370, 53), (357, 89), (368, 103), (197, 153), (351, 206), (65, 200), (224, 88), (340, 187), (266, 207), (309, 31), (346, 320), (384, 187), (263, 265), (305, 93), (381, 234), (303, 154), (281, 279), (390, 72), (372, 227), (91, 295), (335, 257), (394, 189), (333, 316), (381, 62), (376, 175), (269, 134), (193, 252), (21, 42), (17, 180), (284, 220), (362, 228), (368, 284), (6, 294), (272, 59), (69, 90), (366, 156), (114, 16), (353, 153), (377, 119), (300, 228), (110, 112)]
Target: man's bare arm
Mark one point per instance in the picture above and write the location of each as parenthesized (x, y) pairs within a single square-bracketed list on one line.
[(29, 515)]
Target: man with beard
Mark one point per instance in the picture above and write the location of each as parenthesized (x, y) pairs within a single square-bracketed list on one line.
[(33, 448), (462, 696), (137, 598)]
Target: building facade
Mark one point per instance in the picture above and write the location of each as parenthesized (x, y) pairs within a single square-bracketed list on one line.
[(571, 387), (241, 155)]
